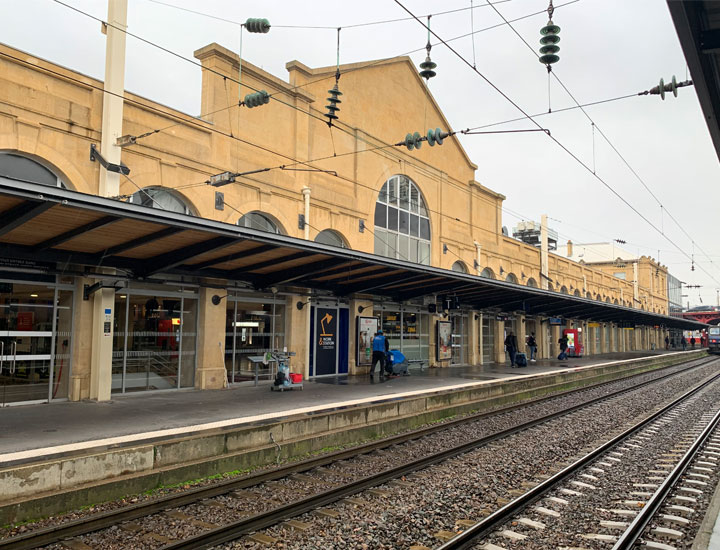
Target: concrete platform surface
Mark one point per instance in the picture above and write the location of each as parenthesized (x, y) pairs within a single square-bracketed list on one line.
[(31, 431)]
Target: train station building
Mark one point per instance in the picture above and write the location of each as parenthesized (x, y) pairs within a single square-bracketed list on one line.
[(314, 237)]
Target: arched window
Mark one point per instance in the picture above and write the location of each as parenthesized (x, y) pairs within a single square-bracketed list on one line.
[(588, 295), (330, 238), (564, 289), (26, 169), (532, 283), (598, 297), (162, 199), (487, 273), (550, 286), (607, 299), (577, 292), (259, 222), (402, 222), (511, 278), (459, 267)]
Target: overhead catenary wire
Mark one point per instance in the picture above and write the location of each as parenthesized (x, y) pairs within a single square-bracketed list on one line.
[(320, 27), (609, 142), (553, 138)]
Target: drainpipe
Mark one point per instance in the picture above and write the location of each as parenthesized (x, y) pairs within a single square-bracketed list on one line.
[(544, 253), (306, 200), (636, 285)]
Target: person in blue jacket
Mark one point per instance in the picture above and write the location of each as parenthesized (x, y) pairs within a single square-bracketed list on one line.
[(380, 347)]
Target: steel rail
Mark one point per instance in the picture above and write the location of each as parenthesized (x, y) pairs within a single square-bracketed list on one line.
[(104, 520), (234, 530), (470, 537), (633, 533)]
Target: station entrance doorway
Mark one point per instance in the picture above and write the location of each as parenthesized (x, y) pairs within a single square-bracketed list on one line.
[(35, 332)]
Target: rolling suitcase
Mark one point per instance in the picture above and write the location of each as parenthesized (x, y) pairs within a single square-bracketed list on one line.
[(521, 360)]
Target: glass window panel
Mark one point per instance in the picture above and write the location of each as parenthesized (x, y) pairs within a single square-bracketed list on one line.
[(189, 338), (404, 194), (391, 239), (404, 222), (414, 198), (392, 224), (332, 238), (256, 220), (413, 252), (392, 191), (381, 243), (414, 225), (403, 242), (424, 252), (391, 328), (425, 229), (383, 193), (380, 215), (421, 207)]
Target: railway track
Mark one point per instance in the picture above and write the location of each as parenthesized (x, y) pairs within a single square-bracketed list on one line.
[(210, 534), (520, 526)]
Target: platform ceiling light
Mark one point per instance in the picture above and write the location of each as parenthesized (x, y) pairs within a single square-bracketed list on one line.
[(33, 296)]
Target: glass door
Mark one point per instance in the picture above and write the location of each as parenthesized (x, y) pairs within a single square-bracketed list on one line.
[(458, 347), (26, 342)]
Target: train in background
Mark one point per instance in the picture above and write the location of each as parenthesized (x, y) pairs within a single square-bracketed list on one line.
[(714, 339)]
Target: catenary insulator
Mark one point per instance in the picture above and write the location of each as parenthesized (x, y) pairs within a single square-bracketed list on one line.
[(255, 24), (549, 40), (427, 67), (436, 136), (333, 101), (257, 99), (413, 141)]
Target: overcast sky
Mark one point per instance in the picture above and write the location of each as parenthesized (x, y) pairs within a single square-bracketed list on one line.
[(609, 49)]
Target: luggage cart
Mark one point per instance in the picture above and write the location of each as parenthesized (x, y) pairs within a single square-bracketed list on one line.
[(284, 379)]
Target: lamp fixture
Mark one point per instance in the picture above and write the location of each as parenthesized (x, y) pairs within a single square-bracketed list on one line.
[(300, 305)]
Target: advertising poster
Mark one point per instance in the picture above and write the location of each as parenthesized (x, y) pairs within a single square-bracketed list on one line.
[(366, 329), (326, 335), (444, 340)]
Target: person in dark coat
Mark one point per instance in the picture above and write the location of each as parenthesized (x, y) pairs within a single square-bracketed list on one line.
[(563, 341), (511, 346)]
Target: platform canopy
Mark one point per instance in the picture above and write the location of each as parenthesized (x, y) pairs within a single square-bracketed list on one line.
[(56, 230), (697, 23)]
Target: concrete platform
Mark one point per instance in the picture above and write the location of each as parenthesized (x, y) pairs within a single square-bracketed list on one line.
[(51, 427), (67, 454)]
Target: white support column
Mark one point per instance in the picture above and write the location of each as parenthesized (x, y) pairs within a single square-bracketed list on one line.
[(112, 118), (102, 344)]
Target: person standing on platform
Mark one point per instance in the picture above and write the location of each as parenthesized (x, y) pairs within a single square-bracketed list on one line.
[(683, 343), (667, 342), (563, 341), (532, 345), (379, 347), (511, 346), (692, 342)]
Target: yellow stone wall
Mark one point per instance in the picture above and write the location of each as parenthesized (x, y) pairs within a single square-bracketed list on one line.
[(53, 115)]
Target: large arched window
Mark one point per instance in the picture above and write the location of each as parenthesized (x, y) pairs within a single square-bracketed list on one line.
[(459, 267), (402, 222), (157, 197), (330, 238), (532, 283), (511, 278), (27, 170), (260, 222)]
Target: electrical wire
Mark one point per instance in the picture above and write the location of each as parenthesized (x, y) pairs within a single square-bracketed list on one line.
[(555, 140), (318, 27), (595, 126)]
